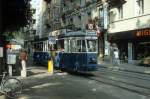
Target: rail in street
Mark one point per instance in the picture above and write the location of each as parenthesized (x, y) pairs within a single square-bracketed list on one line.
[(130, 81)]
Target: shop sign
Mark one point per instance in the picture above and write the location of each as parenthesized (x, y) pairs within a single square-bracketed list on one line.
[(143, 33), (8, 46)]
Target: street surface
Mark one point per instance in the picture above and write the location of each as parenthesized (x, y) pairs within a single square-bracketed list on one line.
[(103, 84)]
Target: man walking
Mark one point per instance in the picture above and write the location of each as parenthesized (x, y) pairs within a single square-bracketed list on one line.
[(116, 56)]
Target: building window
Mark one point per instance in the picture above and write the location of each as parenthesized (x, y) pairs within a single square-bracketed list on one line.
[(79, 17), (101, 15), (89, 14), (120, 10), (71, 21), (139, 7), (80, 2)]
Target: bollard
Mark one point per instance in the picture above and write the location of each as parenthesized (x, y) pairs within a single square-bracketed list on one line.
[(23, 58), (23, 71), (50, 66), (10, 70)]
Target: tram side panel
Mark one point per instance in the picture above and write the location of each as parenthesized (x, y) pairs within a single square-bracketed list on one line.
[(91, 61), (78, 61), (41, 58)]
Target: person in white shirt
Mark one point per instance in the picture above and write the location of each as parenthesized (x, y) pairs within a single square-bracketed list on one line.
[(116, 57)]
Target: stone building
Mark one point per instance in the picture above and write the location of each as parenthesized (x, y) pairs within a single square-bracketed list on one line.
[(129, 28)]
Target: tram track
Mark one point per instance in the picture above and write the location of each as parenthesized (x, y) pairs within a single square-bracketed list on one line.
[(125, 70), (127, 74), (122, 85), (121, 80), (130, 86)]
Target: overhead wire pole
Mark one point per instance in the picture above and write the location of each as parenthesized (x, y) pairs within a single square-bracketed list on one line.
[(106, 22)]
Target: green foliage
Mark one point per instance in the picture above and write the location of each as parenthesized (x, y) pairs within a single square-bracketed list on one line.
[(15, 14)]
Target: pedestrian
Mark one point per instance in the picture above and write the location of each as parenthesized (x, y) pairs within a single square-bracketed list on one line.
[(111, 53), (57, 59), (23, 59), (116, 56)]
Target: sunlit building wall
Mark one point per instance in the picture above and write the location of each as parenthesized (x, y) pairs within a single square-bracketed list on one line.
[(130, 13), (51, 17), (76, 13), (130, 28)]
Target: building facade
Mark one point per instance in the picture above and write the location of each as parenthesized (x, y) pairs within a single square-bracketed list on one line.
[(77, 15), (129, 28), (56, 17)]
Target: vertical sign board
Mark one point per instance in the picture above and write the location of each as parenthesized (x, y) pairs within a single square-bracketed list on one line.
[(1, 46), (11, 59), (105, 17), (1, 51)]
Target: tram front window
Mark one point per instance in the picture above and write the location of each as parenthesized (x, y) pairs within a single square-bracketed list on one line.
[(81, 46), (77, 45), (91, 45), (73, 46)]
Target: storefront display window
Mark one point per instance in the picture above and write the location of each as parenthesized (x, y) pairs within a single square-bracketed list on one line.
[(143, 54)]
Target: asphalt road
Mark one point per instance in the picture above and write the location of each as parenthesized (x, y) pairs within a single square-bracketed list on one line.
[(104, 85), (63, 86)]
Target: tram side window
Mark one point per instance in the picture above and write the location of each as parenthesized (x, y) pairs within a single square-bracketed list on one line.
[(83, 46), (91, 45), (73, 45), (78, 46), (37, 47), (66, 45)]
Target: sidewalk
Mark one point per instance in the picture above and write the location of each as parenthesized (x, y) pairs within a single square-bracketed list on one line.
[(39, 72), (126, 67), (34, 76)]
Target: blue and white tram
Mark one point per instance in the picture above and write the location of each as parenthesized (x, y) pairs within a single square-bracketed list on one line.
[(80, 52), (41, 53)]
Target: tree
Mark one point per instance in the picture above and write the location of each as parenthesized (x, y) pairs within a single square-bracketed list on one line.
[(15, 14)]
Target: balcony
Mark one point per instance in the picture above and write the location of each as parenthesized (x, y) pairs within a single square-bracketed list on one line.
[(114, 3), (88, 3), (48, 1), (138, 22)]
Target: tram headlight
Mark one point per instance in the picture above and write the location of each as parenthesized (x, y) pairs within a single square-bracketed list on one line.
[(92, 60)]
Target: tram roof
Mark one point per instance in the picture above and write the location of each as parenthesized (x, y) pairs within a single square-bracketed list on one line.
[(79, 34)]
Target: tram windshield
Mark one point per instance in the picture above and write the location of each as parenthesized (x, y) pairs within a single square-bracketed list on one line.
[(80, 45), (91, 45)]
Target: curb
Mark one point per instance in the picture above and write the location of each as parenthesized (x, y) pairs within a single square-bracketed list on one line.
[(122, 69)]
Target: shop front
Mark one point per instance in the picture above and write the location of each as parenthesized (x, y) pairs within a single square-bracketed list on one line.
[(142, 48), (134, 45)]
